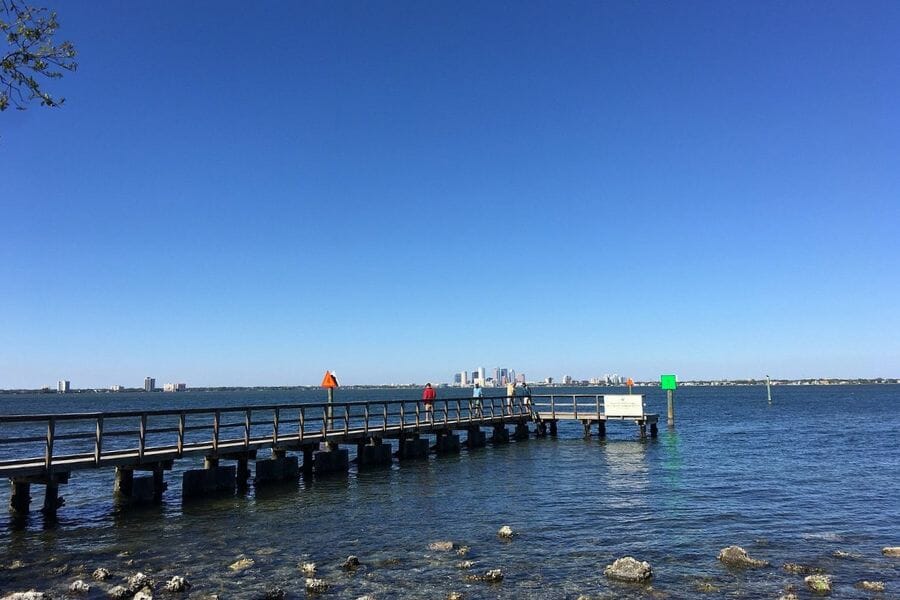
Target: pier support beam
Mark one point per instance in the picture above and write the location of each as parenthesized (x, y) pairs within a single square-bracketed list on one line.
[(500, 435), (373, 453), (521, 432), (475, 438), (654, 430), (412, 446), (124, 481), (553, 428), (277, 468), (601, 429), (446, 442), (587, 429), (308, 451), (643, 428), (20, 497), (331, 460), (210, 479)]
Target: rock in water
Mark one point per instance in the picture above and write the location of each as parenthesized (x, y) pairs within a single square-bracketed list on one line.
[(79, 587), (316, 586), (350, 564), (462, 551), (274, 593), (29, 595), (118, 593), (891, 551), (241, 564), (492, 576), (144, 594), (308, 568), (138, 581), (442, 546), (735, 556), (820, 584), (506, 532), (871, 586), (100, 574), (798, 569), (629, 569), (177, 584)]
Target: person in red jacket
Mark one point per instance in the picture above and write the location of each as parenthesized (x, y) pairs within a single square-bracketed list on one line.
[(428, 396)]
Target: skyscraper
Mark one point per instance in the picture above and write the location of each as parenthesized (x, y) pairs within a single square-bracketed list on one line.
[(149, 384), (63, 386)]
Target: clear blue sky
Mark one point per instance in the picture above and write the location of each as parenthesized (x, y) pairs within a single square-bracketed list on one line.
[(240, 193)]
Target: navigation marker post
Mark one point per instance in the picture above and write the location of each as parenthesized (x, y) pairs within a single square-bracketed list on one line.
[(769, 389), (630, 383), (668, 383), (329, 382)]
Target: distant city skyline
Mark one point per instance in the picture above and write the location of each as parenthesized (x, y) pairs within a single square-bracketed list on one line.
[(703, 188)]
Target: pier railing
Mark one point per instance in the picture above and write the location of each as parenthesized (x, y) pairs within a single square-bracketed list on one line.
[(568, 406), (40, 444)]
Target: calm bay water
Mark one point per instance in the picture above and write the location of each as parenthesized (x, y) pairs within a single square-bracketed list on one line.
[(814, 473)]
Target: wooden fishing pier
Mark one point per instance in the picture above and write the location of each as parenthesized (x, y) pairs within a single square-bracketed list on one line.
[(47, 449)]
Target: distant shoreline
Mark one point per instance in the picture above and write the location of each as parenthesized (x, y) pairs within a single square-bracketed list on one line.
[(637, 384)]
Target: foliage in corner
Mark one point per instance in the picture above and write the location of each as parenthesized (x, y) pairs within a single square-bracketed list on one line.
[(31, 55)]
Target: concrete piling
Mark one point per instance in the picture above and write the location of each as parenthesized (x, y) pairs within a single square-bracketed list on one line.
[(20, 497), (475, 438), (500, 434)]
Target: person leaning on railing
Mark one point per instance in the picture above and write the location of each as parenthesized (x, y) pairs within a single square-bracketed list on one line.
[(428, 397), (475, 403)]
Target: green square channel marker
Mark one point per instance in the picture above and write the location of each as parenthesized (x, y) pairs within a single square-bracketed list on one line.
[(667, 382)]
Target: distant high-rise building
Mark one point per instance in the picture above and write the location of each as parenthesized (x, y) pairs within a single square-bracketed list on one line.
[(464, 378), (63, 386), (497, 379), (457, 378), (117, 388), (481, 375), (174, 387), (149, 384), (567, 379), (520, 378)]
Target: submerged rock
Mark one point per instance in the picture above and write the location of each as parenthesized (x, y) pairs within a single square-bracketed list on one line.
[(351, 564), (843, 554), (118, 593), (798, 569), (308, 568), (465, 564), (735, 556), (492, 576), (100, 574), (629, 569), (442, 546), (29, 595), (144, 594), (705, 587), (454, 596), (274, 593), (79, 587), (462, 551), (871, 586), (137, 582), (177, 584), (241, 564), (317, 586), (820, 584), (506, 532), (891, 551)]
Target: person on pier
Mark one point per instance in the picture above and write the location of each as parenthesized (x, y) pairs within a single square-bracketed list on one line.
[(428, 397), (510, 396), (477, 395)]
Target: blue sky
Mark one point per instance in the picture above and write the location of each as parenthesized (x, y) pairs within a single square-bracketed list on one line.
[(240, 194)]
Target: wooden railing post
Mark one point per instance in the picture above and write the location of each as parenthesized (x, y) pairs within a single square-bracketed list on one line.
[(247, 429), (446, 413), (402, 412), (143, 436), (417, 415), (366, 424), (575, 405), (302, 423), (216, 422), (181, 418), (552, 406), (98, 441), (275, 418), (385, 415), (51, 433), (346, 419)]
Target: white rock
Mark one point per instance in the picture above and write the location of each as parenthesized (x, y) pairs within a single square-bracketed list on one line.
[(118, 593), (144, 594), (29, 595), (308, 568), (316, 585), (629, 569), (506, 532), (100, 574), (177, 584), (79, 587)]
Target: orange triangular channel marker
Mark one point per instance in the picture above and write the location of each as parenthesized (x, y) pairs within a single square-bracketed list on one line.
[(329, 381)]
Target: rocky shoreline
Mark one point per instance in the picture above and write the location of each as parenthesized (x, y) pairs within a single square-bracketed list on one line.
[(128, 581)]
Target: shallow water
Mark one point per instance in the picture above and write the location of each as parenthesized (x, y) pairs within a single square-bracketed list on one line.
[(814, 473)]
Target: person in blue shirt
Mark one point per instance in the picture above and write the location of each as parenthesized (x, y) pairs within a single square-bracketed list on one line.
[(477, 395)]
